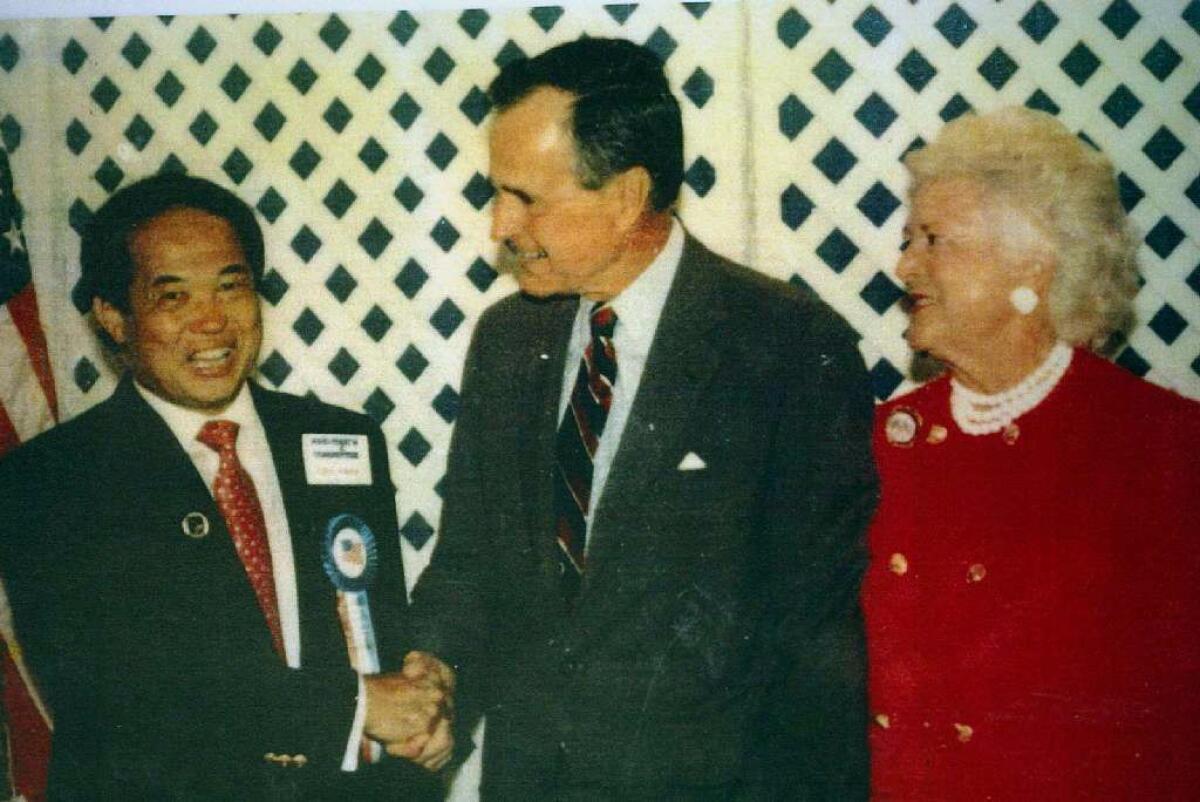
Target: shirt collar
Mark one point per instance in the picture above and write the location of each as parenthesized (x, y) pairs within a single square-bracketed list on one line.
[(639, 305), (185, 423)]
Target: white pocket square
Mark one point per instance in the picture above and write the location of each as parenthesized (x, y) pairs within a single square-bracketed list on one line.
[(691, 462)]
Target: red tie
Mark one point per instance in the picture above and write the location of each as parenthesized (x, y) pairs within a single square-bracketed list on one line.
[(238, 503)]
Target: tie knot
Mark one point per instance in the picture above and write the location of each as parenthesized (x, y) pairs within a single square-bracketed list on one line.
[(604, 321), (218, 434)]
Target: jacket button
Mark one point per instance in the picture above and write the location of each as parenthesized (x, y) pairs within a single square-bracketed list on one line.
[(898, 564), (286, 760)]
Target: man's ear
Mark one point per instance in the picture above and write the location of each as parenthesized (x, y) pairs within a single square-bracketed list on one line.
[(631, 190), (111, 319)]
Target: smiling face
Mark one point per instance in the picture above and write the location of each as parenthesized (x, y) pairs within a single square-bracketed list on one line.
[(193, 328), (959, 269), (560, 237)]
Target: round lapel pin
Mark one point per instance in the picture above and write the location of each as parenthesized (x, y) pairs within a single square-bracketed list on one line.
[(194, 525), (901, 426)]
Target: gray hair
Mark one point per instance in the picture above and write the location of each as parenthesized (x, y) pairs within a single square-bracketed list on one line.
[(1067, 189)]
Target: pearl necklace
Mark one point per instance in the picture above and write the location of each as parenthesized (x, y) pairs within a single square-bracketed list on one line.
[(978, 413)]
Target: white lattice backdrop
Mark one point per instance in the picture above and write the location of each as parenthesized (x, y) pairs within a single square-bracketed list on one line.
[(357, 136)]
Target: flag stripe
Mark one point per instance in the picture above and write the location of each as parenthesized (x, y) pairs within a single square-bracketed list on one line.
[(23, 307), (28, 405), (8, 435), (23, 399), (13, 657), (29, 731)]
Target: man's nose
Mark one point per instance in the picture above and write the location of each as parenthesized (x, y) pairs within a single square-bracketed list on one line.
[(209, 315), (506, 217)]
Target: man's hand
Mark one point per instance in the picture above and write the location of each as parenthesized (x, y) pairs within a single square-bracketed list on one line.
[(424, 668), (428, 671), (410, 711), (401, 714)]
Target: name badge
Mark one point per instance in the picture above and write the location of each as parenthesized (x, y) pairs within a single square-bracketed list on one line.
[(336, 459)]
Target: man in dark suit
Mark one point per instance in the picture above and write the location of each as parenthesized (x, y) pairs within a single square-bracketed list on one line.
[(651, 548), (205, 575)]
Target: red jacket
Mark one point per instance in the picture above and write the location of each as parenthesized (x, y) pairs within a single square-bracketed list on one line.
[(1033, 606)]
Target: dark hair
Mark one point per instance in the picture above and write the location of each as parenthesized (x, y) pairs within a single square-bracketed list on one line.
[(107, 265), (624, 114)]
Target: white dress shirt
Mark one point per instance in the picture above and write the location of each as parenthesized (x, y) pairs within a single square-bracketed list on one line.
[(639, 307), (254, 453)]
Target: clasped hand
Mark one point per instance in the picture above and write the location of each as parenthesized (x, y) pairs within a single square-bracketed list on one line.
[(410, 711)]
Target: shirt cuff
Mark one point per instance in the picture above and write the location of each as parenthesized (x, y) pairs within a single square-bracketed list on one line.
[(350, 759)]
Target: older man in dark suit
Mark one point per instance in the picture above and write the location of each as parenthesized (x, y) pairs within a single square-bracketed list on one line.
[(205, 575), (652, 541)]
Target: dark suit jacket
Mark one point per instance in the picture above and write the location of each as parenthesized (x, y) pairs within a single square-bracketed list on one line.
[(717, 644), (149, 645)]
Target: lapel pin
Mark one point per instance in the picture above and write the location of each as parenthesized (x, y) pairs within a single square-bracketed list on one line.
[(194, 525), (901, 426)]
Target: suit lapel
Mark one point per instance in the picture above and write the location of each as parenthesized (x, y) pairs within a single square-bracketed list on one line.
[(320, 636), (283, 433), (149, 456), (542, 357), (682, 359)]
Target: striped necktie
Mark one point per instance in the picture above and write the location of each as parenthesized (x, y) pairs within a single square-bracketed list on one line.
[(578, 437)]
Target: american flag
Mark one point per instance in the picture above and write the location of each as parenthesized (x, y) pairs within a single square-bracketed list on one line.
[(28, 405)]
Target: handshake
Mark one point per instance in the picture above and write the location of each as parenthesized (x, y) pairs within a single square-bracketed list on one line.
[(410, 711)]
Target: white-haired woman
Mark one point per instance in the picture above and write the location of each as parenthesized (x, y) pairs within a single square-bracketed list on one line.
[(1033, 602)]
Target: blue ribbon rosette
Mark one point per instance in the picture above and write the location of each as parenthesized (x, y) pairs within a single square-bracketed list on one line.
[(351, 560)]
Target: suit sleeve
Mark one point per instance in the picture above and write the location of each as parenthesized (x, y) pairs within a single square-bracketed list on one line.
[(48, 632), (47, 588), (450, 618), (822, 491)]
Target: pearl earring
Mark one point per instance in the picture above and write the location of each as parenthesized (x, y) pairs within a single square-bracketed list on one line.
[(1023, 299)]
